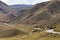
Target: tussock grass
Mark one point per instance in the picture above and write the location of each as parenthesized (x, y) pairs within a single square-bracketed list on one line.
[(8, 33)]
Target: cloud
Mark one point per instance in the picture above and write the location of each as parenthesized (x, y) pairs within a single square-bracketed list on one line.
[(10, 2)]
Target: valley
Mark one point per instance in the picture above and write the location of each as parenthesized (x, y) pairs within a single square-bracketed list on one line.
[(30, 22)]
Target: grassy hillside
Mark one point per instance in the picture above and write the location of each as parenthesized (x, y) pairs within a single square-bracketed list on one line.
[(35, 36), (22, 24)]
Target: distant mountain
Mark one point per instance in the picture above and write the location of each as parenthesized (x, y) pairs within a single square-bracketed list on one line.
[(8, 14), (21, 6)]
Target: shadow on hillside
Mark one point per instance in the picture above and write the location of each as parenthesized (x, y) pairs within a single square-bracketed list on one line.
[(9, 33)]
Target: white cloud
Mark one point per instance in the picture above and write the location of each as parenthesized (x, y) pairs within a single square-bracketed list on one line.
[(10, 2)]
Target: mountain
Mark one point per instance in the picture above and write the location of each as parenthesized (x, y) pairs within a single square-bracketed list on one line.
[(42, 11), (34, 14), (20, 6), (42, 14), (30, 23), (10, 13), (46, 14), (7, 14), (5, 11)]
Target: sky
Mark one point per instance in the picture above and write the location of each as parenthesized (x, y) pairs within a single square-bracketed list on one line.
[(11, 2)]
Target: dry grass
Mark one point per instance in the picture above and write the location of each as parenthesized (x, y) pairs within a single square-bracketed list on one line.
[(9, 33), (35, 36), (30, 36), (57, 27)]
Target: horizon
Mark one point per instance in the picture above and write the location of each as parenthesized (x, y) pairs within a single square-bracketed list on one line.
[(27, 2)]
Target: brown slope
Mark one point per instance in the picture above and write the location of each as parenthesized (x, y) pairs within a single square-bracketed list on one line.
[(6, 12), (30, 11), (44, 13)]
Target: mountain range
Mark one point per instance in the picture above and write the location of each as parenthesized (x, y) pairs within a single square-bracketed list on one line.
[(20, 6), (43, 14)]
